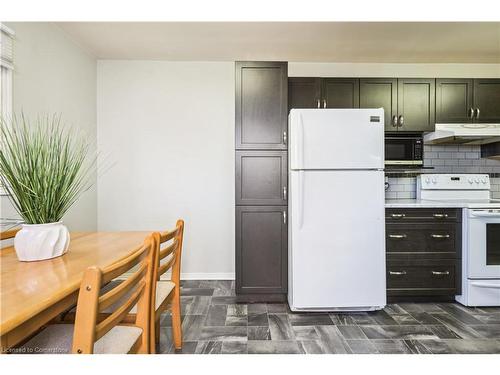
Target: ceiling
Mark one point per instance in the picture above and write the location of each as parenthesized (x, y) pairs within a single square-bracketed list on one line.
[(387, 42)]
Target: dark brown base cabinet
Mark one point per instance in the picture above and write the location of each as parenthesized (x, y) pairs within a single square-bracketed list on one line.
[(261, 186), (424, 252), (261, 253)]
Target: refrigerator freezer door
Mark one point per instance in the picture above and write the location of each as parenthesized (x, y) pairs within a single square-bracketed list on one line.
[(337, 240), (336, 138)]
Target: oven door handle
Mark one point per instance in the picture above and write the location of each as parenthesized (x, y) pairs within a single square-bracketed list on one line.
[(495, 214), (485, 285)]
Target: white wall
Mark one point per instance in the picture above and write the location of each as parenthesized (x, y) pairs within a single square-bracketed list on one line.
[(54, 75), (169, 129)]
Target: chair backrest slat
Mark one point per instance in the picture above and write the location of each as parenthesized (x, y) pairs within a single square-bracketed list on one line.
[(123, 265), (11, 233), (114, 295), (167, 236), (169, 249)]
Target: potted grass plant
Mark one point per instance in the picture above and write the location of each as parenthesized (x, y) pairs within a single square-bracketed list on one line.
[(44, 168)]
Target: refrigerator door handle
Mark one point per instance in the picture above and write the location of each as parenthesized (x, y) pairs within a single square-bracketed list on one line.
[(300, 197), (300, 143)]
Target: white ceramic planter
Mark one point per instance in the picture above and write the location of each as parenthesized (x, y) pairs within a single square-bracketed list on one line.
[(41, 241)]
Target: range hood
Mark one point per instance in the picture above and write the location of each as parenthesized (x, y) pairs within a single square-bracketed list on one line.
[(466, 134)]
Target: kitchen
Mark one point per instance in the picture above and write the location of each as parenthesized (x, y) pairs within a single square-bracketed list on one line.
[(335, 201), (424, 169)]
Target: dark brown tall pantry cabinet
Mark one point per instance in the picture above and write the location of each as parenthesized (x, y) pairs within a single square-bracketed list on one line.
[(261, 180)]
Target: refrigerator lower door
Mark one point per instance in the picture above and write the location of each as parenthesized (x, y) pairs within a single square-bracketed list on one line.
[(336, 139), (336, 241)]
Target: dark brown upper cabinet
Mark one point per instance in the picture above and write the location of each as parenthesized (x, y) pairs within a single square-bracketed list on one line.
[(416, 104), (340, 93), (313, 92), (261, 105), (454, 100), (261, 178), (487, 100), (381, 93), (261, 250), (304, 92)]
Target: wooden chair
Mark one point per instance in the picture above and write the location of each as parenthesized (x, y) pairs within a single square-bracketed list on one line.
[(6, 237), (167, 295), (11, 233), (90, 334)]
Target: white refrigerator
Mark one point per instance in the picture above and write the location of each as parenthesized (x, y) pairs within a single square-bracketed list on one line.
[(336, 208)]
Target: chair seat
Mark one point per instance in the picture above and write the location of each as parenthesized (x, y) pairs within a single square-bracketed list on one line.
[(163, 290), (58, 339)]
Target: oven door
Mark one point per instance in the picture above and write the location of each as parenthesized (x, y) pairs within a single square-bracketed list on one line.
[(484, 244)]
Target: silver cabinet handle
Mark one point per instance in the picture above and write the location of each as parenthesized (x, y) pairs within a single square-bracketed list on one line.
[(284, 193), (401, 121), (440, 235), (284, 217), (397, 273), (478, 112), (284, 137), (398, 216), (319, 103), (471, 112), (440, 216), (394, 121), (397, 236), (439, 273), (324, 103)]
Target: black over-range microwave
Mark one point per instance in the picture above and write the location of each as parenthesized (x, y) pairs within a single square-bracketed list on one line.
[(404, 150)]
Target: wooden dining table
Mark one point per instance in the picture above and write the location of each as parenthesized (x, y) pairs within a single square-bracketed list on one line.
[(34, 293)]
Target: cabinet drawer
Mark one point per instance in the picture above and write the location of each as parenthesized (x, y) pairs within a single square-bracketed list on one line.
[(402, 238), (419, 214), (435, 277)]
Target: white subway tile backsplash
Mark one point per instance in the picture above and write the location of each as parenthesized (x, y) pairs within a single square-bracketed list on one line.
[(472, 155), (391, 195), (448, 159), (465, 162), (406, 195), (437, 161)]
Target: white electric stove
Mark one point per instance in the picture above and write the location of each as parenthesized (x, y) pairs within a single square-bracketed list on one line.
[(480, 232)]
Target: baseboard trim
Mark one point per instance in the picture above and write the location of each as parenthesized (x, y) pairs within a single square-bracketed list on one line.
[(203, 276)]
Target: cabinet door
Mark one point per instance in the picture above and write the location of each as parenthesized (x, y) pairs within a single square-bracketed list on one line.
[(261, 178), (304, 92), (416, 104), (261, 250), (487, 100), (380, 92), (453, 101), (261, 105), (340, 93)]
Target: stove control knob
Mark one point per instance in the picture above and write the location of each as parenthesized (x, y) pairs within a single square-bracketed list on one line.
[(470, 180), (476, 180), (427, 180), (434, 180), (484, 181)]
